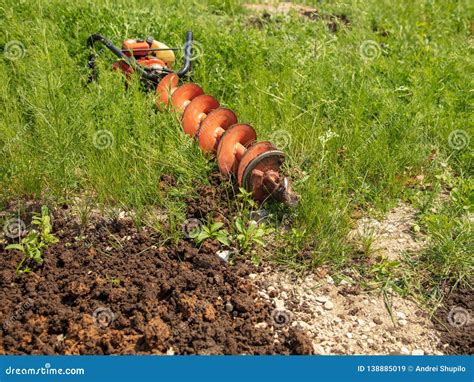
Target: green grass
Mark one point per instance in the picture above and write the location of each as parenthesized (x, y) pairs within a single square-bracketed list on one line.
[(357, 128)]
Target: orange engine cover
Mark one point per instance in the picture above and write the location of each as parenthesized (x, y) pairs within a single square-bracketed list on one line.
[(151, 63), (138, 47)]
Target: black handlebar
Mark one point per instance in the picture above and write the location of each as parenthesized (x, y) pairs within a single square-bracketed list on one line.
[(188, 53), (188, 50)]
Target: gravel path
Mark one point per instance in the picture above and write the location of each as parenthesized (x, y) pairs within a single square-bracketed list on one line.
[(345, 320)]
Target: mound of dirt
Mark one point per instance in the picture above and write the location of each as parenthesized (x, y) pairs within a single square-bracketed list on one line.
[(114, 289), (455, 323)]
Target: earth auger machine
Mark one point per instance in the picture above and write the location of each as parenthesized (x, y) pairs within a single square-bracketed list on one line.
[(255, 165)]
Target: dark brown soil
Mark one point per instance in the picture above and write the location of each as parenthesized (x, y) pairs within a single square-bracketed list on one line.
[(112, 288), (455, 322)]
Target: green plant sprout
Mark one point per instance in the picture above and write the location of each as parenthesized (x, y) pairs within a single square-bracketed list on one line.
[(211, 231), (250, 234), (33, 245)]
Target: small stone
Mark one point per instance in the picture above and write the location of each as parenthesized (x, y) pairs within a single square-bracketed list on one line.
[(264, 295), (170, 351), (372, 324), (224, 255), (272, 292), (377, 320), (229, 307), (252, 276), (279, 304), (349, 335), (401, 315), (360, 321), (261, 325), (318, 349), (417, 352), (402, 322), (321, 299), (328, 305), (284, 295), (329, 280), (404, 350), (301, 324)]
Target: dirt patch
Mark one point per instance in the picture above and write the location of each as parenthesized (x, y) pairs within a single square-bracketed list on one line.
[(216, 200), (390, 237), (264, 13), (113, 288), (455, 322)]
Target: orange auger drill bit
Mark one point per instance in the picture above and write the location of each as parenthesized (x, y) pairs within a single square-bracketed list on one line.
[(256, 165)]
